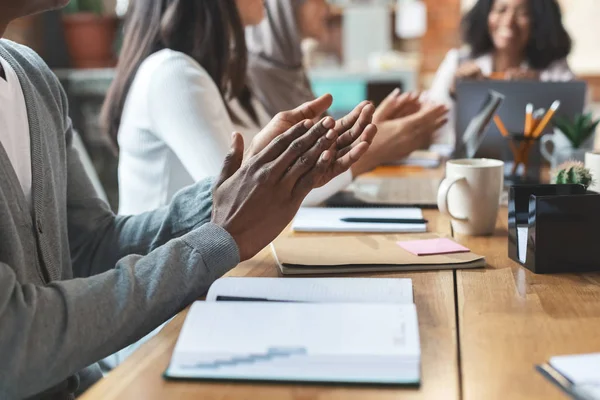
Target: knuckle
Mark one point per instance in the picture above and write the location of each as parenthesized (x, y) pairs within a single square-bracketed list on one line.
[(279, 143), (263, 175), (282, 116), (297, 146), (322, 144), (303, 161)]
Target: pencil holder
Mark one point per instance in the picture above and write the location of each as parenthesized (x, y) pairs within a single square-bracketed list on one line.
[(522, 160), (554, 228)]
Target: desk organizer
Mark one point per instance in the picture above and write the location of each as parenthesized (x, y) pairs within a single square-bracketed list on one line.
[(563, 228)]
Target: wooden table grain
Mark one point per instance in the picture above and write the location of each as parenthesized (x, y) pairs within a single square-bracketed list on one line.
[(511, 319), (140, 376)]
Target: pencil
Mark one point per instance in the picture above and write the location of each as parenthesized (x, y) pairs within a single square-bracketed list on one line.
[(528, 119), (544, 123), (501, 126)]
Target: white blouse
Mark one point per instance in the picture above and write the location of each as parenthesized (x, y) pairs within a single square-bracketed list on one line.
[(440, 89), (175, 130)]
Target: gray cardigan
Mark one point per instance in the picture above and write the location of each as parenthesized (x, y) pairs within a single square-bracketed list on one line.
[(78, 283)]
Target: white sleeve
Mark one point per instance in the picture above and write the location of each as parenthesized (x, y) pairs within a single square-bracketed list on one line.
[(558, 71), (188, 113), (319, 195), (440, 93)]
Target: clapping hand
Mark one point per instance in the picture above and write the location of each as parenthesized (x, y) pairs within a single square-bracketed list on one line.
[(255, 198)]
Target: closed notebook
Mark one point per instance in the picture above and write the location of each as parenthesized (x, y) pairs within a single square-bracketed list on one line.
[(316, 219), (312, 290), (298, 254), (299, 342), (577, 375)]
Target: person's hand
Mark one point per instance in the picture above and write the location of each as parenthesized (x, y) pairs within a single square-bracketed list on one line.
[(355, 133), (516, 74), (397, 105), (468, 70), (283, 121), (256, 199), (400, 137)]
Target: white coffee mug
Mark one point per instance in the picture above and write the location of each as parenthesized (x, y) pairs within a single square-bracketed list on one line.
[(592, 162), (559, 142), (562, 148), (470, 195)]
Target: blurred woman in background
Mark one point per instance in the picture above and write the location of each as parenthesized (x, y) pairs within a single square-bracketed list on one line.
[(180, 92), (505, 39), (278, 79)]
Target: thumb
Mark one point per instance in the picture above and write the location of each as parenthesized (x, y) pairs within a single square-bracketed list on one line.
[(233, 160)]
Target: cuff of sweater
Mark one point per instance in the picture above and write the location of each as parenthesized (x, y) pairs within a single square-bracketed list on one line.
[(216, 246)]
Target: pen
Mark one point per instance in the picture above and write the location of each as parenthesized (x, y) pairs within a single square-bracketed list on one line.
[(386, 220), (259, 299), (542, 125)]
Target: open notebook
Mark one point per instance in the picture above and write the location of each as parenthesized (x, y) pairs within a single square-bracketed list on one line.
[(343, 330), (296, 254)]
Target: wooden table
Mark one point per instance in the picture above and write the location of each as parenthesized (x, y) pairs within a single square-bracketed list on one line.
[(482, 331)]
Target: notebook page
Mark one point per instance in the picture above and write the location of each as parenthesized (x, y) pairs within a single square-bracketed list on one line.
[(317, 290), (315, 219), (299, 341)]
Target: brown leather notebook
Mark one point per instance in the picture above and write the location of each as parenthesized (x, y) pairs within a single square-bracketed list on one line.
[(321, 254)]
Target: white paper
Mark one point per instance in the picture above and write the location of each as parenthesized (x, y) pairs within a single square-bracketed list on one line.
[(522, 234), (330, 220), (579, 369), (299, 342), (316, 290)]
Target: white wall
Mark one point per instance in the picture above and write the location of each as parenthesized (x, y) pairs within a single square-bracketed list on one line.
[(582, 19)]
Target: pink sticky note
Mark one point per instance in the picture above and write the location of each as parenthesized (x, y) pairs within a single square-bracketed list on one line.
[(432, 247)]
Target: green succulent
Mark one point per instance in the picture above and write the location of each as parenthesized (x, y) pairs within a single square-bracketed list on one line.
[(578, 130), (573, 172), (80, 6)]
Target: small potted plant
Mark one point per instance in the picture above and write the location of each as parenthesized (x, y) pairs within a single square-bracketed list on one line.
[(571, 139), (90, 33), (572, 173)]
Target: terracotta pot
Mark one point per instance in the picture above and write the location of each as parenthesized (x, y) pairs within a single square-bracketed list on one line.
[(90, 39)]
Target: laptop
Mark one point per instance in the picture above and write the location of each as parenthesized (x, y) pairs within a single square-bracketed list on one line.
[(416, 191), (517, 94)]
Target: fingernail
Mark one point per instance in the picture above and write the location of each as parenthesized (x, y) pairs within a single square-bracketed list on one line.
[(328, 123), (308, 124), (396, 92), (326, 156), (330, 135)]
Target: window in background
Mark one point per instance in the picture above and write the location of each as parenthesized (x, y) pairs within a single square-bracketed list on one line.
[(121, 8)]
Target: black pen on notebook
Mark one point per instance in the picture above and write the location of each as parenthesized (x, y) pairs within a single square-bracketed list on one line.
[(385, 220)]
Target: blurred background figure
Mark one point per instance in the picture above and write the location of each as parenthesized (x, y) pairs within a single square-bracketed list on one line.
[(504, 39), (277, 77), (355, 50)]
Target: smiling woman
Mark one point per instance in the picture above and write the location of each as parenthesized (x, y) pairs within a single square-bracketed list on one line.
[(506, 39)]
